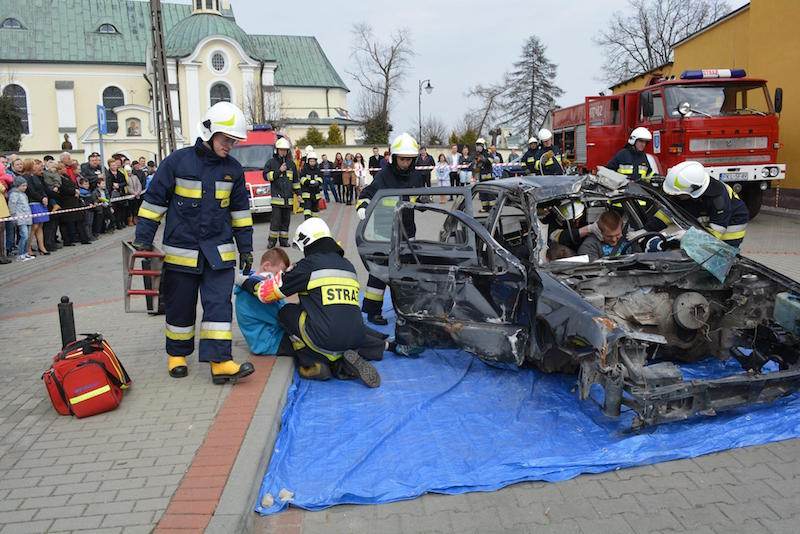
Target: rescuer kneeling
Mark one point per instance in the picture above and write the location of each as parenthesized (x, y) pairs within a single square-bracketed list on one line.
[(201, 190)]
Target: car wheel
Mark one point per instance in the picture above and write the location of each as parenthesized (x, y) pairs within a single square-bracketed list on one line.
[(752, 195)]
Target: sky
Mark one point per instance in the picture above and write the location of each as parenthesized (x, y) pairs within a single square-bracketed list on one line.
[(458, 43)]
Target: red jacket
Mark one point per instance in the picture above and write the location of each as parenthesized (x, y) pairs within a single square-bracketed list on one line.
[(72, 175)]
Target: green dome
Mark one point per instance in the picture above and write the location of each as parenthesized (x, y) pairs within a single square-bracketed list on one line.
[(182, 38)]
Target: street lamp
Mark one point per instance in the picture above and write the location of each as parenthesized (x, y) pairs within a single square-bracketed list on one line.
[(428, 89)]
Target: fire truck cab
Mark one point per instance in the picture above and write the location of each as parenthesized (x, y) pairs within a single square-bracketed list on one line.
[(721, 118), (254, 153)]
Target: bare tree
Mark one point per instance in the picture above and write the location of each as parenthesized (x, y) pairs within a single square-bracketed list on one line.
[(641, 39), (380, 66), (252, 104), (530, 88), (434, 131), (490, 98)]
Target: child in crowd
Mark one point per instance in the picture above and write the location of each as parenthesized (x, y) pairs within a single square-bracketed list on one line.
[(87, 200), (258, 321), (18, 206), (103, 215)]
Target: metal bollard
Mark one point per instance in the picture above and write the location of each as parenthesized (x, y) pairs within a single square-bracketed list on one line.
[(66, 320)]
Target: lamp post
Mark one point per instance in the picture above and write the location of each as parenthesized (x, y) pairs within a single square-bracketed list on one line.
[(428, 89)]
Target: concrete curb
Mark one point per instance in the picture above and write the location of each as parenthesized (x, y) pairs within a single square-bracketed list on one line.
[(783, 212), (234, 512)]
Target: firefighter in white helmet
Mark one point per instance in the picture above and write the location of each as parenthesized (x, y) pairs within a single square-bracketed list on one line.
[(400, 174), (715, 204), (310, 184), (529, 157), (201, 190), (482, 168), (631, 160), (281, 173), (325, 328), (548, 155)]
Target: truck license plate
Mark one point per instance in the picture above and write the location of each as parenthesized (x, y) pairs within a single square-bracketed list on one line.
[(733, 176)]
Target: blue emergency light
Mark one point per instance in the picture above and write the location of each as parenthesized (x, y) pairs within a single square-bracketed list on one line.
[(712, 73), (262, 127)]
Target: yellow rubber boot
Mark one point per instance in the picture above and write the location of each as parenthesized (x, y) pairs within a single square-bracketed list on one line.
[(176, 365), (230, 371)]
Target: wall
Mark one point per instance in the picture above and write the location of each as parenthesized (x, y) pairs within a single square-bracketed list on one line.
[(298, 102)]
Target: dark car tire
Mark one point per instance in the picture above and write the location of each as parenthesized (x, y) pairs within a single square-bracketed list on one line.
[(752, 195)]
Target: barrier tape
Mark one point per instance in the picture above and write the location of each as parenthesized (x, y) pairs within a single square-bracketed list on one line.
[(68, 210), (429, 167)]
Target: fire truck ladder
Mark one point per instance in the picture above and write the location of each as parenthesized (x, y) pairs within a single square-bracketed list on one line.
[(149, 269)]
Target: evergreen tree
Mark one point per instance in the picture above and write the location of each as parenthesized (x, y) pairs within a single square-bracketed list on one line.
[(335, 135), (313, 137), (10, 126), (531, 89), (376, 130)]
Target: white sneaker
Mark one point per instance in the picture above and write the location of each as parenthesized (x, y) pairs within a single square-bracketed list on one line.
[(24, 258), (30, 257)]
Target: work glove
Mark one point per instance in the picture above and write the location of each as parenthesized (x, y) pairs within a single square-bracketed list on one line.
[(138, 245), (246, 262), (362, 213)]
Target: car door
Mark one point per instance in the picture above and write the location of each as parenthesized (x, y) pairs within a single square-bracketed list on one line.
[(463, 289)]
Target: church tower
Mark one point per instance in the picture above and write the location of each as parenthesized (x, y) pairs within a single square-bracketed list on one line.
[(206, 6)]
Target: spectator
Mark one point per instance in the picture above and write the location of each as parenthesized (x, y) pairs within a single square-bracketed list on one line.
[(19, 207), (142, 163), (375, 161), (465, 174), (72, 224), (4, 212), (117, 188), (14, 170), (52, 182), (327, 180), (93, 169), (348, 178), (134, 188), (386, 161), (103, 213), (496, 157), (66, 160), (87, 199), (425, 160), (363, 177), (454, 160), (151, 171), (338, 163), (442, 175), (32, 170), (6, 178)]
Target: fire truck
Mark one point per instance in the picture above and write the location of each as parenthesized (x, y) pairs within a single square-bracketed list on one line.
[(254, 153), (719, 117)]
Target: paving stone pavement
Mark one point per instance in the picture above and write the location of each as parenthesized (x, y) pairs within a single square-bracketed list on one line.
[(116, 472)]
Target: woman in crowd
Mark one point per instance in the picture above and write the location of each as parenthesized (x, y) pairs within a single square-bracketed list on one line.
[(442, 175), (338, 163), (348, 178), (363, 177), (36, 192), (117, 184), (72, 224), (465, 174)]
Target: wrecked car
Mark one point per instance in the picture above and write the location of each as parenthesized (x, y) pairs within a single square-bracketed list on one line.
[(480, 281)]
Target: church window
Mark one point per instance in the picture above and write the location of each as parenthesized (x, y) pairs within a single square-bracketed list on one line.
[(220, 93), (20, 101), (112, 97)]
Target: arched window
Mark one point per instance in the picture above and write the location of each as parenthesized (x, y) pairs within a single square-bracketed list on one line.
[(107, 28), (12, 24), (20, 101), (112, 97), (313, 115), (220, 93)]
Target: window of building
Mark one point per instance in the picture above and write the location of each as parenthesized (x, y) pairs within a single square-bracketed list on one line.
[(12, 24), (107, 28), (220, 93), (112, 97), (20, 101), (218, 61), (198, 4), (211, 4), (313, 115)]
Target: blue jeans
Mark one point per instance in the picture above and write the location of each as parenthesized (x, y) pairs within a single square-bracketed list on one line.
[(11, 235), (24, 231), (327, 183)]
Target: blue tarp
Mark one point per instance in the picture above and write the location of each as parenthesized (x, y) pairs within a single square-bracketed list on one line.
[(448, 423)]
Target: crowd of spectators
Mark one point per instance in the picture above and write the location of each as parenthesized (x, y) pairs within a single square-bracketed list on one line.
[(56, 203)]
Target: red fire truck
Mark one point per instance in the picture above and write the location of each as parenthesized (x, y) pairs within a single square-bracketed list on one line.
[(253, 153), (720, 117)]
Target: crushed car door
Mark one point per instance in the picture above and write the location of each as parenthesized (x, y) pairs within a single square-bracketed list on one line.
[(452, 283), (374, 233)]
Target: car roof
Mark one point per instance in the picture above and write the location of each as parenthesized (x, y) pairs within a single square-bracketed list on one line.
[(542, 187)]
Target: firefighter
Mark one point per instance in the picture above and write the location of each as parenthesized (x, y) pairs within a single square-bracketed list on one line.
[(400, 174), (631, 160), (482, 166), (548, 155), (281, 173), (529, 157), (567, 225), (325, 327), (201, 190), (714, 203), (310, 185)]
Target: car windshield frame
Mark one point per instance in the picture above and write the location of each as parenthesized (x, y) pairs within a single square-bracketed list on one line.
[(253, 155), (708, 99)]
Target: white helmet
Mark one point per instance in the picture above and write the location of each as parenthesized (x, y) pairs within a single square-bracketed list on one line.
[(572, 209), (283, 143), (310, 231), (311, 155), (640, 133), (533, 140), (481, 141), (405, 145), (224, 118), (545, 134), (309, 148), (687, 178)]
